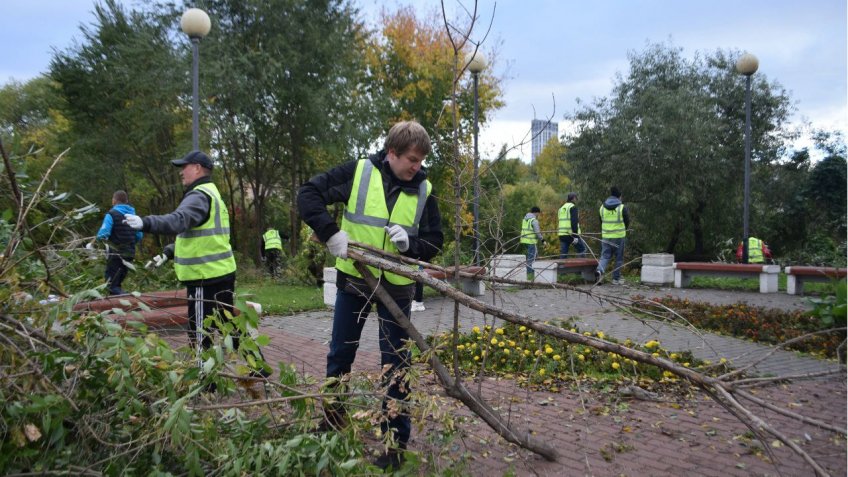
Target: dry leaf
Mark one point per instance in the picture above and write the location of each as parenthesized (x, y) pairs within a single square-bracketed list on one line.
[(32, 433)]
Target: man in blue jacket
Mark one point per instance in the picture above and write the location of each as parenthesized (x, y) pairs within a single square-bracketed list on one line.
[(123, 240)]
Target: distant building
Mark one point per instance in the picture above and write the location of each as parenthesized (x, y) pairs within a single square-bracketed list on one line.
[(543, 131)]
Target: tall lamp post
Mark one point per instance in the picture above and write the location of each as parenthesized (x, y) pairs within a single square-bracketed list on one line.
[(475, 66), (196, 24), (747, 65)]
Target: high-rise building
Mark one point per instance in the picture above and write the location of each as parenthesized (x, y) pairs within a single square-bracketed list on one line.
[(543, 131)]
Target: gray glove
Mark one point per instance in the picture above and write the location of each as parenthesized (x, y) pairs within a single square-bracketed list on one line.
[(398, 236), (133, 221), (89, 246), (338, 244), (159, 260), (575, 241)]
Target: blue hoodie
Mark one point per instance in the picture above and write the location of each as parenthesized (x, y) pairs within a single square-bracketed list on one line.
[(611, 203), (106, 229)]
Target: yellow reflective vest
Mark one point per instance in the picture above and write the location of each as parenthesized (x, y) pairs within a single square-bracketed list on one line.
[(366, 214), (272, 240), (528, 235), (204, 252), (755, 250), (564, 215), (612, 222)]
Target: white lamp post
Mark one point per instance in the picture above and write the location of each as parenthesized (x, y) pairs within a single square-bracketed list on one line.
[(747, 65), (196, 24), (475, 66)]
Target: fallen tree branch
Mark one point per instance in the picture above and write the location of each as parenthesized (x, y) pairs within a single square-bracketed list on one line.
[(454, 388)]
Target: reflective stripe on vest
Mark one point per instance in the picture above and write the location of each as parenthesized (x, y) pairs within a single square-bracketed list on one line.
[(528, 235), (755, 250), (565, 219), (272, 240), (366, 214), (612, 222), (204, 251)]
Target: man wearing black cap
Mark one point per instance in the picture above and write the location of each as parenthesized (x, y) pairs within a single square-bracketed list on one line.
[(203, 257)]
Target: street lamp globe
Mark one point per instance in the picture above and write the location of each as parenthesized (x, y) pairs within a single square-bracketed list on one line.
[(195, 23), (747, 64), (477, 62)]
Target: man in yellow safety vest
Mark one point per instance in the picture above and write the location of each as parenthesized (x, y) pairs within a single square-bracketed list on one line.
[(531, 236), (568, 227), (615, 219), (389, 205), (203, 257), (270, 250)]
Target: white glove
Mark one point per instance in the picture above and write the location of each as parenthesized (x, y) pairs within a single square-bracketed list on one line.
[(89, 246), (575, 241), (338, 244), (398, 236), (159, 260), (133, 221)]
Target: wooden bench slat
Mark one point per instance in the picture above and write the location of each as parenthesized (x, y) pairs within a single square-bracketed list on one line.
[(831, 272), (719, 267)]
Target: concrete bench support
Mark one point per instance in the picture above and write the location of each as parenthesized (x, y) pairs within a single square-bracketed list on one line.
[(511, 267), (657, 268), (767, 274), (471, 286), (797, 275)]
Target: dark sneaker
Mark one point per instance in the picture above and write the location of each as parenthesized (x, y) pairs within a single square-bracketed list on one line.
[(391, 459)]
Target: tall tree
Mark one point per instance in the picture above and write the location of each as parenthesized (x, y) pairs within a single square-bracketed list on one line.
[(670, 137), (121, 86), (288, 95)]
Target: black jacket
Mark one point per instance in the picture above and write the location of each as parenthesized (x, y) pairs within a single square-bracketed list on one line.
[(335, 186)]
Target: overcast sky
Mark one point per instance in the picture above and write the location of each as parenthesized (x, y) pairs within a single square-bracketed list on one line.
[(561, 50)]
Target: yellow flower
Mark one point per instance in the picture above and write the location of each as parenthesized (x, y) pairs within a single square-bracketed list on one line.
[(538, 352), (476, 329), (600, 334), (512, 343), (668, 374), (506, 351), (501, 344), (581, 357), (526, 352), (722, 360), (499, 331), (494, 341), (586, 333), (503, 360), (542, 372), (557, 357), (460, 347), (652, 344), (674, 356), (573, 330), (522, 328), (655, 355), (549, 350), (476, 358), (615, 365), (483, 353), (488, 327), (686, 364)]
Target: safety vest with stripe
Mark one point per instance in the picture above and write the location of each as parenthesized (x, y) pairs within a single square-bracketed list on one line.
[(528, 235), (272, 240), (204, 251), (565, 219), (612, 222), (755, 250), (366, 214)]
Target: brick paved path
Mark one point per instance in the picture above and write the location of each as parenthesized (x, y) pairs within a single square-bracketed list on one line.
[(598, 433)]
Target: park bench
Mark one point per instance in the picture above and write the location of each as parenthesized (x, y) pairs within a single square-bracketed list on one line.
[(797, 275), (470, 285), (584, 266), (165, 309), (684, 271)]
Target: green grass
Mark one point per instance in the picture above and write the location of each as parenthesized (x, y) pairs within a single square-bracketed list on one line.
[(282, 299), (753, 284)]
